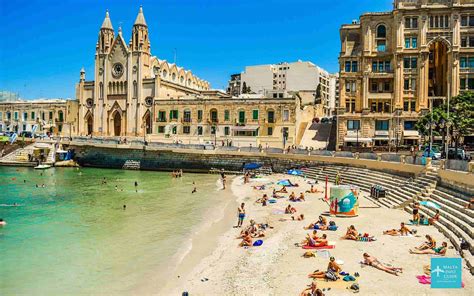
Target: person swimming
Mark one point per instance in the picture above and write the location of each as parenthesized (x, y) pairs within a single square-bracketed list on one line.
[(2, 222), (194, 190)]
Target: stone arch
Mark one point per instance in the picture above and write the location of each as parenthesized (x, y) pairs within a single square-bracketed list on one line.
[(440, 39), (174, 73), (381, 31), (116, 121), (147, 123), (88, 123)]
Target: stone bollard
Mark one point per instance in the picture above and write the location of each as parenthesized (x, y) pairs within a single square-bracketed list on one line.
[(428, 162), (379, 157), (402, 159), (356, 155)]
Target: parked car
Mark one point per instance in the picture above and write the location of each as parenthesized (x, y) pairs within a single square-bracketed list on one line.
[(41, 136), (461, 154), (435, 153)]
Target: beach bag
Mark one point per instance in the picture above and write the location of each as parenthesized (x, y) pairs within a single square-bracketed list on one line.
[(308, 254), (355, 287), (258, 243), (348, 278), (332, 227), (330, 275), (332, 223), (464, 245)]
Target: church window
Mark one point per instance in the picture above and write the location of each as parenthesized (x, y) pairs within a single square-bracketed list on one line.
[(135, 89), (165, 73), (101, 90), (173, 76)]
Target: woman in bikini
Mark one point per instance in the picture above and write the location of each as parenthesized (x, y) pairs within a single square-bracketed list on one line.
[(292, 196), (332, 267), (246, 240), (435, 251), (282, 190), (416, 214), (351, 233), (374, 262), (301, 196), (429, 244), (435, 218)]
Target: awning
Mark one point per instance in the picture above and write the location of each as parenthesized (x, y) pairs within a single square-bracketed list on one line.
[(381, 137), (411, 135), (360, 139), (245, 128)]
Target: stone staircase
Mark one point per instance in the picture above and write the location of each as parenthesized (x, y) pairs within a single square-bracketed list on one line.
[(131, 165), (20, 156), (456, 222)]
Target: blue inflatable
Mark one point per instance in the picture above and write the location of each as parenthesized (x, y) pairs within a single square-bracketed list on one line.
[(258, 243)]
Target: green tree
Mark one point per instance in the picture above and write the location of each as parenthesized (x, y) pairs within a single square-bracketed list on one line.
[(461, 117)]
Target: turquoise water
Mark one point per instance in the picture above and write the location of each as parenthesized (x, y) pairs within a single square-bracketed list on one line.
[(74, 237)]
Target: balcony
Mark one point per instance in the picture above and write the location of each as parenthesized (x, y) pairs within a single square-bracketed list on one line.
[(380, 95), (466, 70), (161, 119)]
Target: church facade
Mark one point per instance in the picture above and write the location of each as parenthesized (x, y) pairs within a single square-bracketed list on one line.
[(127, 82)]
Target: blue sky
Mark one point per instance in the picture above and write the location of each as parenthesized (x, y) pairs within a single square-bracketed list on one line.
[(45, 43)]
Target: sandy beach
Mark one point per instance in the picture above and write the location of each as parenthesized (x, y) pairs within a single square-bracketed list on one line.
[(217, 266)]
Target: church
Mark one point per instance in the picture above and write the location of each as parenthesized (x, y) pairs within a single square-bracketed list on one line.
[(119, 101)]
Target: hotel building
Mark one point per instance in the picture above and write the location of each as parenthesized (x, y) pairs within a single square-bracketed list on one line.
[(395, 65)]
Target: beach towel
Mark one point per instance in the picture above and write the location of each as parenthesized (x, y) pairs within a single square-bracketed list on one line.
[(320, 248), (366, 239), (258, 243), (279, 212), (272, 201), (430, 204), (423, 279), (323, 254)]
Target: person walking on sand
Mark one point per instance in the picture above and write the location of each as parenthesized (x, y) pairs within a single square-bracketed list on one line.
[(241, 212)]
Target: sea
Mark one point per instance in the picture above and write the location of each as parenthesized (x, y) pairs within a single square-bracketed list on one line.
[(74, 231)]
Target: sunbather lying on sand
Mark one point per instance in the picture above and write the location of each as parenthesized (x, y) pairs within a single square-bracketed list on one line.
[(282, 190), (259, 187), (351, 233), (275, 195), (429, 244), (246, 240), (290, 210), (397, 232), (298, 218), (435, 251), (374, 262), (322, 224), (312, 291), (333, 269)]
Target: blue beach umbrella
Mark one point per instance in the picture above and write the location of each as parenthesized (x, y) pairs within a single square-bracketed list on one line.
[(252, 166)]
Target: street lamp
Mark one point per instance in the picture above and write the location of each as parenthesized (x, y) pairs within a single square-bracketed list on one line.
[(448, 126)]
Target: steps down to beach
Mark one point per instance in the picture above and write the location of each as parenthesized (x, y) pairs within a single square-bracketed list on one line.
[(131, 165), (456, 222), (400, 190), (21, 156)]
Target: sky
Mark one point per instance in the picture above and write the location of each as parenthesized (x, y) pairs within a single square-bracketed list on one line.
[(45, 43)]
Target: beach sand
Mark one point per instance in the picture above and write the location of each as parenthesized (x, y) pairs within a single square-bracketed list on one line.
[(278, 268)]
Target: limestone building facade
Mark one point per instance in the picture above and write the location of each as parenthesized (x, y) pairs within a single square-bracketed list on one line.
[(127, 81), (395, 65)]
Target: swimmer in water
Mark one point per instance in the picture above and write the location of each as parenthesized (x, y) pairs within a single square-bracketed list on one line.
[(136, 185), (124, 207), (2, 222), (116, 188), (194, 190)]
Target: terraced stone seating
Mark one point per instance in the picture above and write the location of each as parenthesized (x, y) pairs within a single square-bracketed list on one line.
[(456, 221), (399, 189)]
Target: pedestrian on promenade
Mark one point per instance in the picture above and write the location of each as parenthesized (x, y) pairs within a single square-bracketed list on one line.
[(241, 212)]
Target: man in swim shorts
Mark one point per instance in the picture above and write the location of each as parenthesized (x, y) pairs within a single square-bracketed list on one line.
[(241, 212)]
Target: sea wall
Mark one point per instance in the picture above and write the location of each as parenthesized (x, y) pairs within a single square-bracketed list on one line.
[(153, 158)]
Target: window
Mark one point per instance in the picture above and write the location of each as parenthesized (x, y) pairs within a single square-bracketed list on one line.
[(25, 116), (286, 115), (350, 86), (213, 130), (33, 117), (161, 129), (471, 21), (409, 125), (226, 131), (409, 84), (186, 129), (173, 114), (467, 83), (409, 105), (381, 66), (16, 115), (9, 116), (374, 86), (241, 116), (161, 116), (187, 116), (439, 21), (411, 42), (1, 116), (350, 105), (381, 125), (411, 22), (271, 116), (464, 20), (381, 46), (255, 114), (410, 62), (50, 115), (351, 66), (353, 124), (381, 31), (270, 131), (226, 115), (199, 130), (214, 117), (199, 115)]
